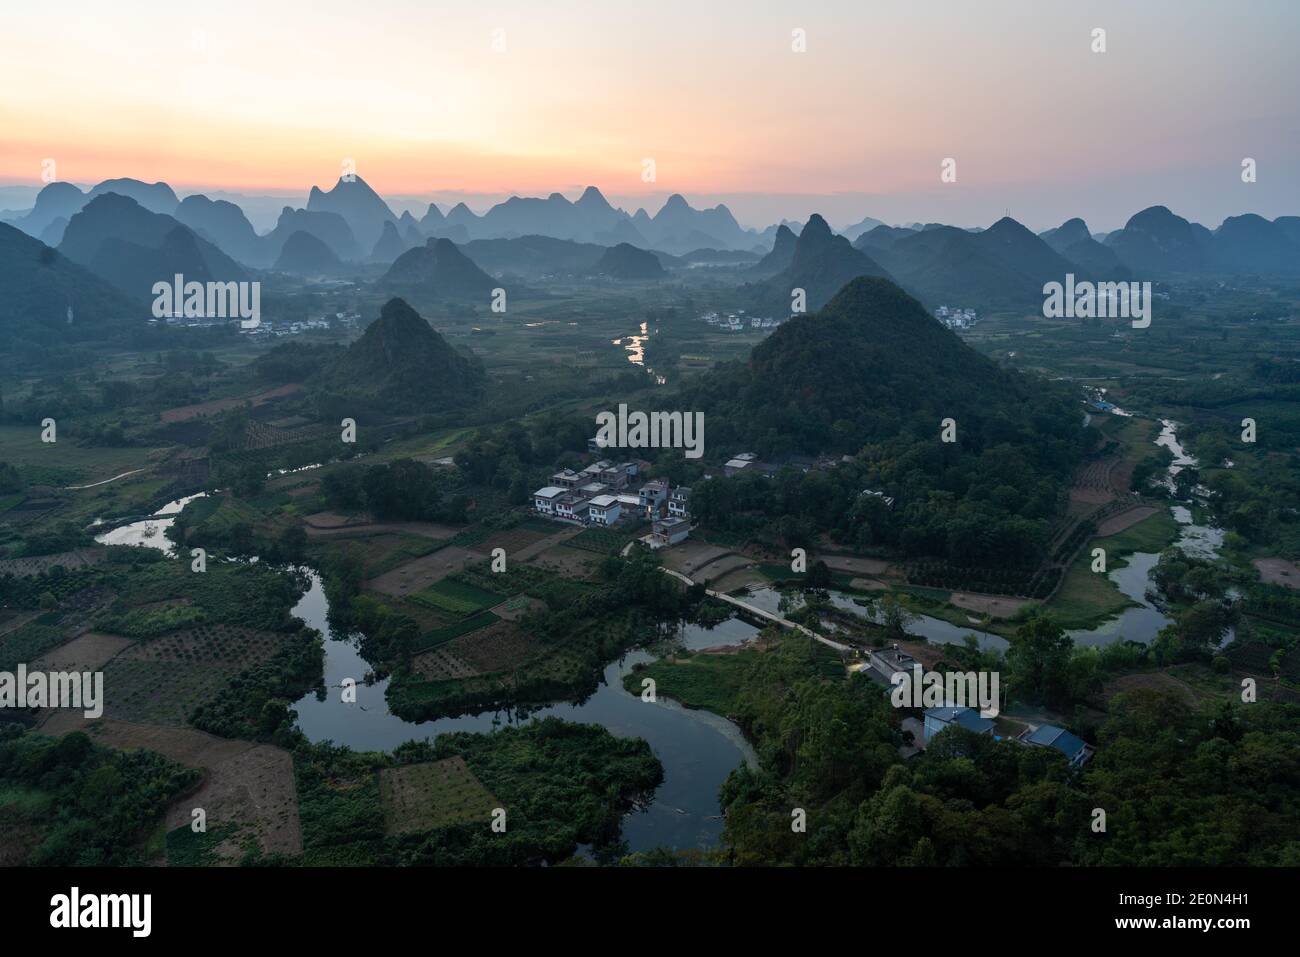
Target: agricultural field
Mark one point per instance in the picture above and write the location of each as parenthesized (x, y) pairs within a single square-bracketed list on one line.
[(566, 562), (456, 598), (65, 461), (164, 680), (505, 662), (705, 680), (466, 626), (514, 540), (425, 796), (37, 564), (89, 651), (602, 541), (420, 573), (30, 640)]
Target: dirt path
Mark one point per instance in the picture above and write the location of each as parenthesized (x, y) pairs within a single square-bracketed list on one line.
[(78, 488), (333, 525)]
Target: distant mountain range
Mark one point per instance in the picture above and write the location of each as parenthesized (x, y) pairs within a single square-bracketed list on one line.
[(1004, 264), (676, 228), (360, 206), (820, 263), (132, 248), (127, 231)]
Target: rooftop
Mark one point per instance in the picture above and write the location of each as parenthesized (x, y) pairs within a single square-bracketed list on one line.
[(1050, 736), (968, 718)]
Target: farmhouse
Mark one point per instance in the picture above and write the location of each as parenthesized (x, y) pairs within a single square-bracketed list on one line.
[(544, 499), (936, 719), (670, 531), (1048, 736), (604, 510), (567, 479), (653, 493), (572, 507)]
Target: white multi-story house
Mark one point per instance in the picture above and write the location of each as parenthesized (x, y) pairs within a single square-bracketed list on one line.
[(544, 499), (679, 501), (604, 510), (653, 493), (572, 507)]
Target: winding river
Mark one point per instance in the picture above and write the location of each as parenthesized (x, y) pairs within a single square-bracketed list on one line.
[(698, 749)]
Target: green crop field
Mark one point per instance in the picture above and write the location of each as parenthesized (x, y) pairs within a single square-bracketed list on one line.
[(456, 598), (438, 636)]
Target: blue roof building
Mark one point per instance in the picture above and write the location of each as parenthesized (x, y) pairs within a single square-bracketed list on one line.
[(1048, 736), (936, 719)]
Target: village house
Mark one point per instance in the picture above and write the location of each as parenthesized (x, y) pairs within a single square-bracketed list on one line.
[(653, 494), (544, 499), (1076, 751), (679, 501), (567, 479), (604, 510), (572, 507), (670, 531), (937, 719), (883, 664)]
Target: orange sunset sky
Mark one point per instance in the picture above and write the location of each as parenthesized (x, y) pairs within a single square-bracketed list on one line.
[(267, 97)]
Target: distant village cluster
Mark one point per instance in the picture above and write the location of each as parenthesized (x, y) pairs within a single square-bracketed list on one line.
[(606, 493), (956, 318), (268, 329), (737, 321), (276, 330)]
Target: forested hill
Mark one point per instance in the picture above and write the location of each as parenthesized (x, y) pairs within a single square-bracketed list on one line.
[(404, 365), (870, 365), (873, 375)]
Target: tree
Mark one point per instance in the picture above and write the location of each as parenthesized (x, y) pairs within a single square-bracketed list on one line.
[(819, 575), (1039, 660), (895, 615)]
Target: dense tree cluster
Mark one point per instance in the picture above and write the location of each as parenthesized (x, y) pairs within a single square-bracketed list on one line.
[(1179, 786), (84, 805), (401, 490)]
